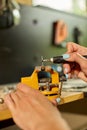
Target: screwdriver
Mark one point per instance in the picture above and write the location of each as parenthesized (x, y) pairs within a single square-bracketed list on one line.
[(58, 59)]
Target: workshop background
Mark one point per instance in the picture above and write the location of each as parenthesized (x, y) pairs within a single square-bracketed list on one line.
[(22, 46)]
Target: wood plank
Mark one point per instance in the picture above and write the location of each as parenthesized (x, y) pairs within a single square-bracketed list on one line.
[(66, 97), (27, 2), (5, 114)]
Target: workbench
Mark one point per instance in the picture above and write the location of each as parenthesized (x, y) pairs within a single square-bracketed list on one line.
[(66, 98)]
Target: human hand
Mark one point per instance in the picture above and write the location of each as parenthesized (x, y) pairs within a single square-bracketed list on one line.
[(33, 111), (77, 66), (73, 47)]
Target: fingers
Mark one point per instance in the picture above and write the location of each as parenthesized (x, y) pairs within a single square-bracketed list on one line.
[(71, 47), (12, 99), (31, 92), (82, 76), (70, 68), (25, 88), (76, 70), (54, 102), (67, 68), (77, 58), (9, 101)]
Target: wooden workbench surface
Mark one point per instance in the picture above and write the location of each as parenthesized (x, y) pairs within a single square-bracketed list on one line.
[(66, 97), (25, 2)]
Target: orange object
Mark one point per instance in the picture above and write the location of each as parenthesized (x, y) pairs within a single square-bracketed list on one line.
[(60, 32)]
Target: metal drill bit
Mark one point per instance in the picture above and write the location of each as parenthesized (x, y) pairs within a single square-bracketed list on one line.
[(46, 60)]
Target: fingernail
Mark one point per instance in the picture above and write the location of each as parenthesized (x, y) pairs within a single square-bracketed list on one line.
[(66, 56), (58, 100), (67, 76), (66, 70)]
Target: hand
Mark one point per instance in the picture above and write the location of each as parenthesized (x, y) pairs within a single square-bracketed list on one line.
[(78, 64), (33, 111), (73, 47)]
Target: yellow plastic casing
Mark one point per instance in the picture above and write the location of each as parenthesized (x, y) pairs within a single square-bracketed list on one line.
[(32, 81)]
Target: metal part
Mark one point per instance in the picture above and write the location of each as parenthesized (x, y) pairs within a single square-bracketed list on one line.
[(1, 100), (41, 60), (46, 60), (58, 59), (46, 79), (60, 88)]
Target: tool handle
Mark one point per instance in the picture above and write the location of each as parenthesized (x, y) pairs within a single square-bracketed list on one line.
[(85, 56), (59, 59)]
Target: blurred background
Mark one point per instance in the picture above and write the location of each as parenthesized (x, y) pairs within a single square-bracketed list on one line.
[(30, 29), (26, 33)]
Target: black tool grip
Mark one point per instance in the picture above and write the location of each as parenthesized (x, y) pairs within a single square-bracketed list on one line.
[(59, 59)]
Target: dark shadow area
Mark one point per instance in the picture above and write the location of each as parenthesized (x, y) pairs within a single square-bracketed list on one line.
[(6, 123), (78, 107)]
